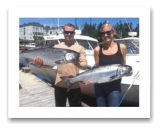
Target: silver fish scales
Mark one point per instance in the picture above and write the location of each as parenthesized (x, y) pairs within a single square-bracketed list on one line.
[(51, 56), (100, 74)]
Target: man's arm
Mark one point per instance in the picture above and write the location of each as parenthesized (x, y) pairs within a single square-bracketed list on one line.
[(39, 62)]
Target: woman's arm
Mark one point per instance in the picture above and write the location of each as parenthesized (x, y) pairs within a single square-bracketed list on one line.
[(124, 52), (96, 55)]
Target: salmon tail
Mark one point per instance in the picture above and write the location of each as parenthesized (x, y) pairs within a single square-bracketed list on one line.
[(67, 82)]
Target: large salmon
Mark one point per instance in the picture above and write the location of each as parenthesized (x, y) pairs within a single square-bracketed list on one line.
[(100, 74), (51, 56)]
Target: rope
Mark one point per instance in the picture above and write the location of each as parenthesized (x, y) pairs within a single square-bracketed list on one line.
[(128, 25), (55, 25), (135, 45), (49, 23), (129, 87)]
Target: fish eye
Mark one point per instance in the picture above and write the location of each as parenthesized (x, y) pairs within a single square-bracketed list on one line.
[(122, 70), (69, 56)]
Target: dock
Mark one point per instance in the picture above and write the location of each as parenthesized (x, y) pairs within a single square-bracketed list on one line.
[(34, 92)]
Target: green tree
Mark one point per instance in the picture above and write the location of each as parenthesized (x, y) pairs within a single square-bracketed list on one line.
[(99, 26), (122, 29), (86, 29), (136, 29), (76, 25), (95, 33)]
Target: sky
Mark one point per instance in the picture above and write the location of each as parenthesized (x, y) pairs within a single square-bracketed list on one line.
[(128, 12), (80, 21)]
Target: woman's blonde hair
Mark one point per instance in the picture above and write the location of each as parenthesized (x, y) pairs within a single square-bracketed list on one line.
[(107, 24)]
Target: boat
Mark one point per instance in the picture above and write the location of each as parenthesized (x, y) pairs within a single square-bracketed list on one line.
[(29, 46)]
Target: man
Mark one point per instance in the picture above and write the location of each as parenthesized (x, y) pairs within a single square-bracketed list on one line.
[(70, 69)]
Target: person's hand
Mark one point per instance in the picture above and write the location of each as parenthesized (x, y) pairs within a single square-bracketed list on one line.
[(131, 72), (88, 82), (77, 61), (38, 61)]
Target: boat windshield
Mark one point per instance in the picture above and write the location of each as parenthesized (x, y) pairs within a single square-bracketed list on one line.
[(62, 40), (85, 44), (93, 44), (131, 48)]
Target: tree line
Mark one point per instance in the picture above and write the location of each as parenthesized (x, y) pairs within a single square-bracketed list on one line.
[(122, 29)]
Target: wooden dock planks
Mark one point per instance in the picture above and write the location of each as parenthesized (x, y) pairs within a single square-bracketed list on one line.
[(37, 93)]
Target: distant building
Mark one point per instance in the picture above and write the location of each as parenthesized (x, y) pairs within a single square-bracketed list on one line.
[(30, 30)]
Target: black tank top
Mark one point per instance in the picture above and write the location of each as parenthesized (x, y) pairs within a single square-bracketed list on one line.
[(116, 58)]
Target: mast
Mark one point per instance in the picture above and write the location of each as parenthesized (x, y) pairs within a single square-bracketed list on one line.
[(58, 23)]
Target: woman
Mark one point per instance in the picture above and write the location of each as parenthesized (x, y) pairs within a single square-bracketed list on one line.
[(109, 53)]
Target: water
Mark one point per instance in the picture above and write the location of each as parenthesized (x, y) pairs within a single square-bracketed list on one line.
[(22, 63)]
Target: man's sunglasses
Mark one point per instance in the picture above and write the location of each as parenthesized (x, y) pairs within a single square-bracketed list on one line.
[(67, 32), (108, 33)]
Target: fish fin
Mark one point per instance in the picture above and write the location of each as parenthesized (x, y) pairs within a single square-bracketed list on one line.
[(67, 82), (34, 65), (112, 77), (79, 73), (89, 67), (81, 82), (59, 61), (95, 67), (102, 82)]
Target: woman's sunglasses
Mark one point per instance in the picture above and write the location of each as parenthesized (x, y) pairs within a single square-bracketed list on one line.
[(108, 33), (67, 32)]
